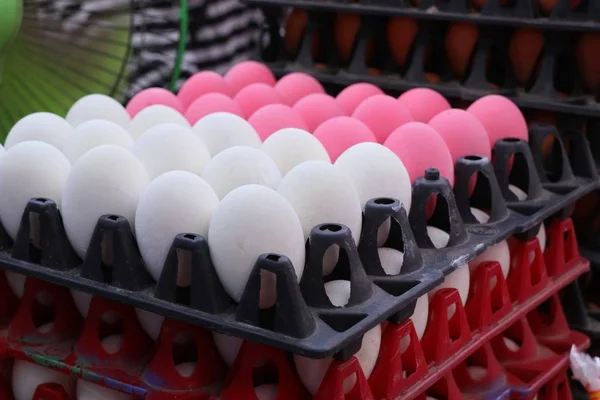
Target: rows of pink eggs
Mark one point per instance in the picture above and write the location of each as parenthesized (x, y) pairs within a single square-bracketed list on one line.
[(419, 127)]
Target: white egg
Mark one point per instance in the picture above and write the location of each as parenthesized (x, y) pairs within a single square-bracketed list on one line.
[(477, 373), (28, 170), (155, 115), (419, 319), (541, 237), (322, 193), (498, 252), (112, 344), (237, 166), (151, 323), (266, 392), (186, 369), (517, 191), (460, 278), (175, 202), (106, 180), (95, 133), (92, 391), (82, 301), (291, 147), (250, 221), (16, 282), (227, 346), (98, 106), (220, 131), (391, 260), (510, 344), (2, 150), (312, 371), (42, 126), (375, 172), (171, 147), (27, 376)]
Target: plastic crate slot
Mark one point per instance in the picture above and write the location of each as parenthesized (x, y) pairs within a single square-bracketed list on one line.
[(341, 322), (489, 300), (401, 362), (43, 312), (562, 252), (528, 274), (335, 386), (50, 391), (240, 381)]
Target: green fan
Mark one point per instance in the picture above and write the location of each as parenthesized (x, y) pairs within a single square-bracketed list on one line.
[(53, 52)]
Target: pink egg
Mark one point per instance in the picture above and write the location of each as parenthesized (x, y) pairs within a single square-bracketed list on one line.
[(423, 104), (254, 97), (153, 96), (248, 72), (318, 108), (353, 95), (203, 83), (275, 117), (382, 114), (420, 147), (297, 85), (463, 133), (340, 133), (500, 117), (209, 104)]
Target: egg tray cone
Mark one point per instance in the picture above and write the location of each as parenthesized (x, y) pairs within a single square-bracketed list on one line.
[(554, 84), (584, 17), (304, 321)]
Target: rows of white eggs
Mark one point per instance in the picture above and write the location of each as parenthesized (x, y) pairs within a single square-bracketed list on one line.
[(215, 179)]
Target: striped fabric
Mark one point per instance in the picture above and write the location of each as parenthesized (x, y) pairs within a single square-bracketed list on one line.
[(221, 33)]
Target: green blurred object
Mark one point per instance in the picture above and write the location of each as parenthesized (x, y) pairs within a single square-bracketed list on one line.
[(53, 52)]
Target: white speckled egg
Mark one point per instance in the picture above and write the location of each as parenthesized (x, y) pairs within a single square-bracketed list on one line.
[(237, 166), (322, 193), (375, 172), (27, 376), (41, 126), (106, 180), (98, 106), (92, 391), (95, 133), (155, 115), (170, 147), (291, 146), (250, 221), (175, 202), (312, 371), (28, 170), (220, 131)]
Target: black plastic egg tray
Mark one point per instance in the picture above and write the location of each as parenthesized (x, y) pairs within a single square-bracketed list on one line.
[(554, 85), (303, 319), (584, 17)]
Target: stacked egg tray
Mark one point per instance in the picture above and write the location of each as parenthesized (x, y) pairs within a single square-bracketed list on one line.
[(303, 322), (363, 51), (523, 310)]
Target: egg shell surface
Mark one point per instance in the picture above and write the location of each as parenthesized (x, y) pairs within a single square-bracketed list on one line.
[(275, 117), (353, 95), (98, 106), (170, 147), (41, 126), (106, 180), (247, 73), (238, 166), (317, 108), (27, 376), (202, 83), (220, 131), (153, 96), (339, 134), (96, 132), (382, 114), (500, 117), (291, 147), (292, 87), (250, 221), (27, 170), (423, 103), (151, 116), (211, 103), (173, 203), (151, 323), (254, 97)]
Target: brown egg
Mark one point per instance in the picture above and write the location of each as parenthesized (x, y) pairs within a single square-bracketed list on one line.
[(587, 207), (546, 6), (401, 33), (588, 58), (432, 77), (524, 50), (542, 117), (345, 31), (294, 30), (459, 43)]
